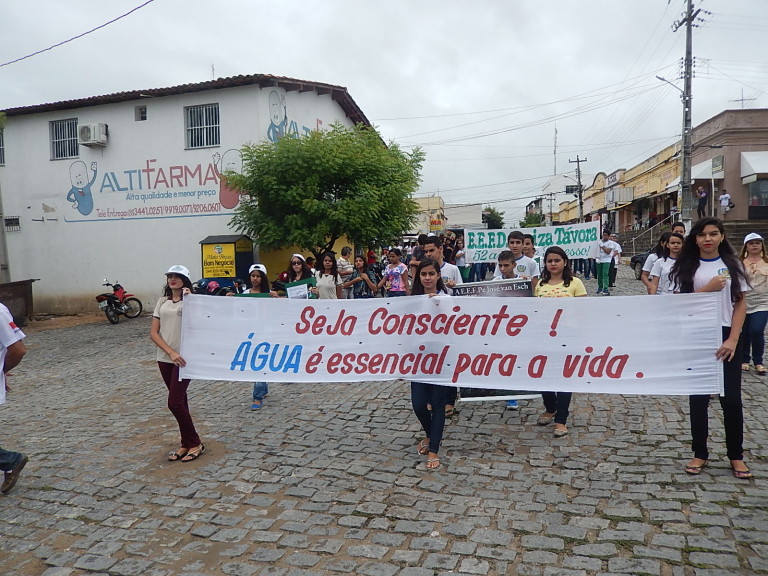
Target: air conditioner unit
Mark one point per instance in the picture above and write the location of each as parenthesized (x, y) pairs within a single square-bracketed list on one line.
[(92, 134)]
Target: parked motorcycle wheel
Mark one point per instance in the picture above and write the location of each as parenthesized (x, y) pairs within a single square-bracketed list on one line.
[(112, 315), (133, 307)]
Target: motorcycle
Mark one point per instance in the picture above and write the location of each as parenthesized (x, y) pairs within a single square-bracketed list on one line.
[(118, 302), (214, 288)]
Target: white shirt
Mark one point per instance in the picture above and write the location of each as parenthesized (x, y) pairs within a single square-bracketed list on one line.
[(660, 270), (650, 261), (9, 335), (450, 272), (725, 199), (602, 257), (707, 270), (524, 266)]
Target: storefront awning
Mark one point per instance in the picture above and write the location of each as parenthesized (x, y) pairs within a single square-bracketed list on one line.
[(618, 206), (752, 165), (702, 171), (673, 186)]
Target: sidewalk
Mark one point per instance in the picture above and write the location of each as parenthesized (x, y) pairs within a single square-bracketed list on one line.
[(326, 479)]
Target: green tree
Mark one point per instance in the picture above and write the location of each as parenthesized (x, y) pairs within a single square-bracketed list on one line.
[(531, 220), (493, 218), (2, 120), (312, 190)]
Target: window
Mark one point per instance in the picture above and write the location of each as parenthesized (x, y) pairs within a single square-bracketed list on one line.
[(140, 113), (758, 193), (2, 148), (202, 124), (64, 139)]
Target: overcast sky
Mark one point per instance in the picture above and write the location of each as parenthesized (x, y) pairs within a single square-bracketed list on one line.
[(480, 86)]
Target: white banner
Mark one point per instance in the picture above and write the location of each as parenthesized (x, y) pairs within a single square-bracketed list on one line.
[(578, 241), (617, 345)]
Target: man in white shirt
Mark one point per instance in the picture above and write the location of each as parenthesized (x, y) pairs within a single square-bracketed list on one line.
[(12, 350), (614, 261), (725, 203), (525, 267), (605, 250), (433, 248)]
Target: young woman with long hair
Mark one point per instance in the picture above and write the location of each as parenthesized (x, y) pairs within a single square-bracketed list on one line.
[(557, 281), (395, 277), (328, 279), (655, 253), (428, 281), (460, 257), (707, 263), (755, 260), (165, 333), (360, 281), (659, 276)]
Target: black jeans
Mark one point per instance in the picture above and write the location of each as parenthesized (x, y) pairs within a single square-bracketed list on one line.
[(557, 403), (432, 422), (701, 209), (733, 416)]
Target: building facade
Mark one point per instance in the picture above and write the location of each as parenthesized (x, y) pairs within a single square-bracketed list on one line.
[(730, 152), (123, 186)]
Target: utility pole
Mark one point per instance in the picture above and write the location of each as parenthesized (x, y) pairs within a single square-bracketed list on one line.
[(578, 162), (685, 172)]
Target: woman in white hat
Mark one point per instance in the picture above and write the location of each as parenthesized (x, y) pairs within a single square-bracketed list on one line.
[(166, 335), (259, 285), (753, 334)]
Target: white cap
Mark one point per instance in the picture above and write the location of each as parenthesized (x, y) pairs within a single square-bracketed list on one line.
[(752, 236), (257, 267), (299, 256), (179, 269)]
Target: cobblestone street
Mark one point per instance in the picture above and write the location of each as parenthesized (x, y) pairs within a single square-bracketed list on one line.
[(325, 479)]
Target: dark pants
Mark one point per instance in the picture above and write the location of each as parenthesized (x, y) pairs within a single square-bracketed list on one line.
[(557, 403), (8, 460), (733, 417), (177, 403), (701, 209), (432, 422), (612, 273), (752, 340)]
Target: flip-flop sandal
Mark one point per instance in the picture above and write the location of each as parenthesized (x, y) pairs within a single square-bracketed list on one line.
[(435, 463), (423, 447), (695, 470), (760, 369), (745, 367), (176, 456), (742, 474), (193, 454)]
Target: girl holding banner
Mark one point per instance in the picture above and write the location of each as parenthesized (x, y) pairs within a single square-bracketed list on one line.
[(429, 281), (557, 281), (165, 333), (707, 263)]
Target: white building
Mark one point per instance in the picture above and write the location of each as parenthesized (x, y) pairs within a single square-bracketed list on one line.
[(123, 186)]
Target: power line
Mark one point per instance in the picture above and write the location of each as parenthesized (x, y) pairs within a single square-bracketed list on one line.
[(78, 36)]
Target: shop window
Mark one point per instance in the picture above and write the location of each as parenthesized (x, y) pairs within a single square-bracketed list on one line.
[(2, 148), (758, 193), (202, 124)]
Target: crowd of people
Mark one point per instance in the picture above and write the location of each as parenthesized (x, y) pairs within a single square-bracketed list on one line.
[(702, 261)]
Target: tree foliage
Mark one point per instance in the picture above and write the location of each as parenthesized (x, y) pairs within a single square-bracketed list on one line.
[(312, 190), (2, 120), (531, 220), (493, 218)]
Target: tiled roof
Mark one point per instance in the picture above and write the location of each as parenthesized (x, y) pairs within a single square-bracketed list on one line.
[(338, 93)]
